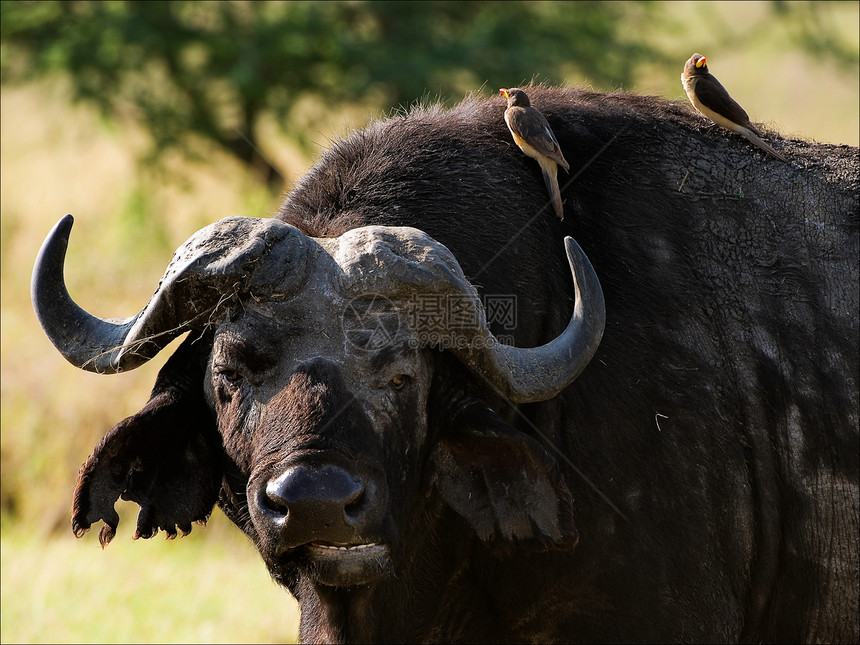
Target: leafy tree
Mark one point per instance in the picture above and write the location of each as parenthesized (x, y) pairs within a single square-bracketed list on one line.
[(211, 69)]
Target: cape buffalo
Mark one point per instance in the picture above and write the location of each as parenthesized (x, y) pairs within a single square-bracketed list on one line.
[(377, 386)]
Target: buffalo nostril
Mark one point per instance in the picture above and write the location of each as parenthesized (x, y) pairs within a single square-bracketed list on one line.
[(273, 501), (327, 496), (354, 506)]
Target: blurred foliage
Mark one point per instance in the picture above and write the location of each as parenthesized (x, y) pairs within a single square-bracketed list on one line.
[(211, 69), (193, 69), (810, 32)]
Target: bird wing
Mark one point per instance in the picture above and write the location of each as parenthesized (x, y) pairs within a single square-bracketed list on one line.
[(714, 96), (533, 127)]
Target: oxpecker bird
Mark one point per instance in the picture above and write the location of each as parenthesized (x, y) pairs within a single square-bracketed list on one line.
[(710, 98), (534, 137)]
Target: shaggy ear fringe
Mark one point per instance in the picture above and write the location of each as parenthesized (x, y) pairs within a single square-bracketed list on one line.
[(155, 458), (503, 483), (167, 458)]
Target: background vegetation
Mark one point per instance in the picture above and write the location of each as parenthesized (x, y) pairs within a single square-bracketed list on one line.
[(150, 120)]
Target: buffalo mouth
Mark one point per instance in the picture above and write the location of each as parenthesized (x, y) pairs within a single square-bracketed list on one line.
[(345, 565)]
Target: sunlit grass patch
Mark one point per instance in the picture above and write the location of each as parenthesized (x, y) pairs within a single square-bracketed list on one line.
[(209, 587)]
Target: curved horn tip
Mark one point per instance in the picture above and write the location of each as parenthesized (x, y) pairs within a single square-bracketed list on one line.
[(53, 251), (86, 341), (568, 355), (64, 224), (581, 267)]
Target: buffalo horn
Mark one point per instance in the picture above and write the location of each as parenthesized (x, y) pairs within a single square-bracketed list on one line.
[(218, 262), (403, 262), (528, 374)]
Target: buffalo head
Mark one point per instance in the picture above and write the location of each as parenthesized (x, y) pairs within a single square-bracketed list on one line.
[(318, 404)]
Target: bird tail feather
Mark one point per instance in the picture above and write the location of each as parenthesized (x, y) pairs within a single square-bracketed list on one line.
[(764, 145), (551, 181)]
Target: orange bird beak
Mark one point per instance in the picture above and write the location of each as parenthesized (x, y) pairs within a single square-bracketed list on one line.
[(504, 92), (701, 62)]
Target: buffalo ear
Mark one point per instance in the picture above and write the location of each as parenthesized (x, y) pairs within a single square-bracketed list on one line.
[(166, 458), (503, 482)]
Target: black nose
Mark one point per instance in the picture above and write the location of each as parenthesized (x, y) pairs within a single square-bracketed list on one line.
[(322, 504)]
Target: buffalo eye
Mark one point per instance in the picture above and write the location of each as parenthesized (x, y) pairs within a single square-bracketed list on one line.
[(229, 374), (399, 382)]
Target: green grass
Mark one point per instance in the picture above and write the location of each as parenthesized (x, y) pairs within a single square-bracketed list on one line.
[(208, 587)]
